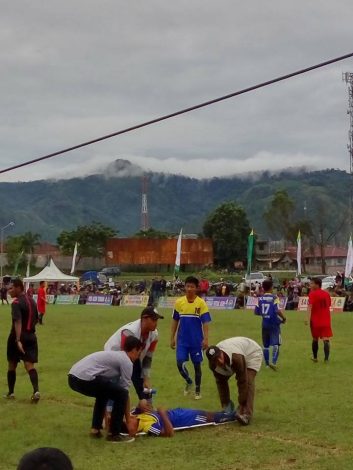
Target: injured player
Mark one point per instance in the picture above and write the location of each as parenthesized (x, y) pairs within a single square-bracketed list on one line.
[(164, 422)]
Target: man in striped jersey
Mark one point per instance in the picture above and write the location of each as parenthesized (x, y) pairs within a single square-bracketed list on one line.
[(22, 341)]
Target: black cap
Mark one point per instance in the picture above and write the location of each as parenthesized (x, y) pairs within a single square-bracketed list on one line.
[(212, 354), (151, 312)]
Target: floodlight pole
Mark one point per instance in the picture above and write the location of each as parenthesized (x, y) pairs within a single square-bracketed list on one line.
[(10, 224), (348, 78)]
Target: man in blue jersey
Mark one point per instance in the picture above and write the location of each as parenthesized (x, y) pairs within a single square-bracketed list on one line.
[(189, 333), (272, 318), (164, 422)]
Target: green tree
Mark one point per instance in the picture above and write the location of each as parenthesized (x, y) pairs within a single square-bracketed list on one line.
[(91, 240), (281, 219), (152, 233), (29, 242), (14, 249), (323, 232), (279, 215), (20, 248), (228, 227)]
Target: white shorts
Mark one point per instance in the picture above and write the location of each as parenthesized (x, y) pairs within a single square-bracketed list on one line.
[(254, 360)]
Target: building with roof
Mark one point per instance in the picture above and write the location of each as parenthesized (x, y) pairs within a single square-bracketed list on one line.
[(275, 255)]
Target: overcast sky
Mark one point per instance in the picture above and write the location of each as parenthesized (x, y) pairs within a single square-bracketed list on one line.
[(73, 71)]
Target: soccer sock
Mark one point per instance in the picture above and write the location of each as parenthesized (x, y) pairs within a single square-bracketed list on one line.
[(275, 354), (11, 380), (184, 372), (221, 417), (315, 348), (198, 375), (267, 355), (33, 375), (327, 349)]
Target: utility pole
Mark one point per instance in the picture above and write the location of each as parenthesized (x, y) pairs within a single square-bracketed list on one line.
[(348, 78), (144, 207)]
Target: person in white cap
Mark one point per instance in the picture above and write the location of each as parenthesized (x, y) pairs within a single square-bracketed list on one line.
[(145, 329)]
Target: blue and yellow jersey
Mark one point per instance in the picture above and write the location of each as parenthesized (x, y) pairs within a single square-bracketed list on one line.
[(151, 422), (267, 308), (191, 316)]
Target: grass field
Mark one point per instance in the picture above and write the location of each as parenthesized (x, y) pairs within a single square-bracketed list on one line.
[(303, 413)]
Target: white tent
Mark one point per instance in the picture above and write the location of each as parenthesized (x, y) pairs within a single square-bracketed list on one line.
[(51, 273)]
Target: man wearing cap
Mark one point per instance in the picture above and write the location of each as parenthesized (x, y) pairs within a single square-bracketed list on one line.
[(145, 329), (242, 357)]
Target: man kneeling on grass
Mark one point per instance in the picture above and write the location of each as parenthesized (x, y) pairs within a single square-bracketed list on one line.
[(106, 375), (164, 422)]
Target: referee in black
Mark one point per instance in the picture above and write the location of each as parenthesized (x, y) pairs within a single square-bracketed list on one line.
[(22, 341)]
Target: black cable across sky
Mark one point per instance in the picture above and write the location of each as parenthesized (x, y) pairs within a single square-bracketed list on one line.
[(178, 113)]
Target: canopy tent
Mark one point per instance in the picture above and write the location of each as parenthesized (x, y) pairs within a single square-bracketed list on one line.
[(51, 273)]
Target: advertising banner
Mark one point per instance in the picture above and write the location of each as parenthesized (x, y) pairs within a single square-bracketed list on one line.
[(99, 299), (303, 304), (166, 302), (221, 303), (252, 302), (50, 298), (67, 299), (337, 304), (135, 300)]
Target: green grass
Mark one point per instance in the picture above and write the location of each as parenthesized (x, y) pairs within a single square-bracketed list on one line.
[(303, 413)]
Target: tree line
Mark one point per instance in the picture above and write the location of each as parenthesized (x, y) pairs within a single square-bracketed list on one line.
[(227, 225)]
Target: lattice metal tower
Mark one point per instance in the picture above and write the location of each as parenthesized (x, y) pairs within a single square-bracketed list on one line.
[(144, 207), (348, 78)]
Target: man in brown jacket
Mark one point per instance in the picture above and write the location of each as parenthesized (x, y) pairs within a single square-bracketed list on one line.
[(242, 357)]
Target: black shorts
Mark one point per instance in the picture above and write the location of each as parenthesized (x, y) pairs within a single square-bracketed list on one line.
[(30, 345)]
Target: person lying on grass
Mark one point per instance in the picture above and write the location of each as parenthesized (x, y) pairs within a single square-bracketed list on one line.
[(163, 422)]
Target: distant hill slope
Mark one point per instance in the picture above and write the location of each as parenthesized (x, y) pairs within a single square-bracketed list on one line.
[(174, 201)]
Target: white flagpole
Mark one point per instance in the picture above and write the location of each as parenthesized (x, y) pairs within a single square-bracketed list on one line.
[(27, 273), (349, 260), (74, 259), (299, 254), (178, 253)]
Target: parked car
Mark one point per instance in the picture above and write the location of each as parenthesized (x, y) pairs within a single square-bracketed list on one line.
[(328, 282), (90, 277), (111, 271), (252, 278)]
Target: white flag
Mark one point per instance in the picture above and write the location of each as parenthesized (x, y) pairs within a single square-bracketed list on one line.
[(178, 253), (27, 273), (349, 260), (74, 259), (299, 254), (28, 266)]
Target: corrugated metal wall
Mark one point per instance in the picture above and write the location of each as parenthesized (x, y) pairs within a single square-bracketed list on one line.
[(141, 251)]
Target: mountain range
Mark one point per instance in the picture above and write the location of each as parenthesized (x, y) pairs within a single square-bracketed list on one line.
[(114, 198)]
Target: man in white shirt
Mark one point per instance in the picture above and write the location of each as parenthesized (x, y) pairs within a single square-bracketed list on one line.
[(242, 357), (145, 329), (106, 375)]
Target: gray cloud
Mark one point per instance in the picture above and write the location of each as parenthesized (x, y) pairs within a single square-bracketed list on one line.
[(72, 72)]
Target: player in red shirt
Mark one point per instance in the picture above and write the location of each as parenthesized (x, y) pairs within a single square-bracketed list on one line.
[(41, 301), (320, 318)]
